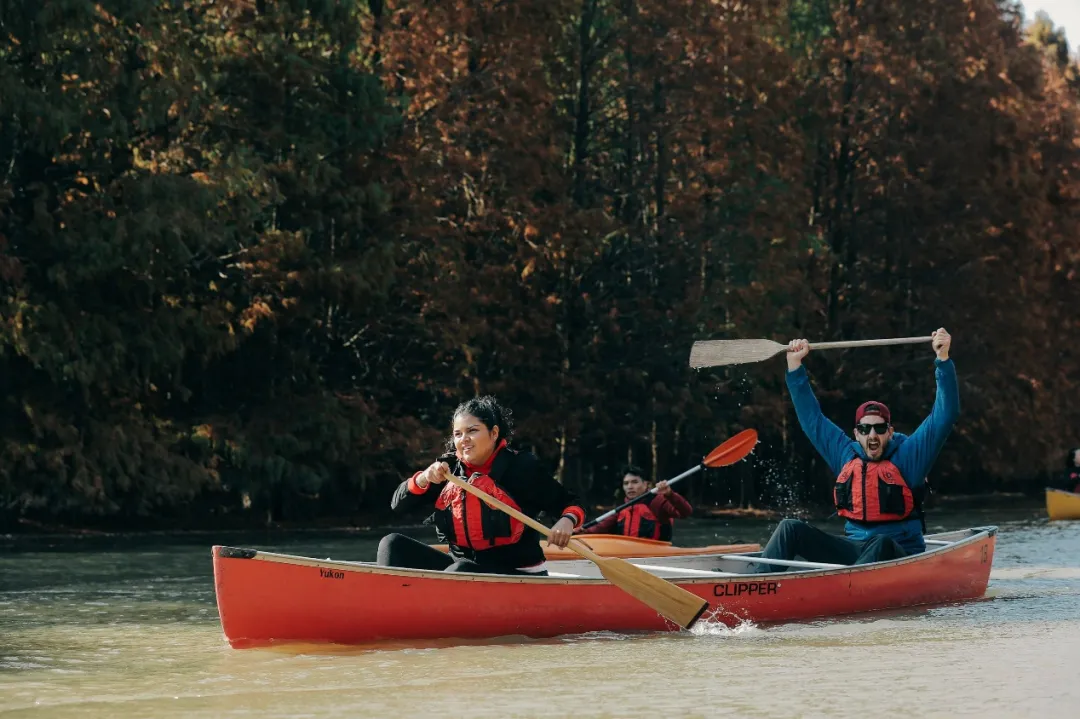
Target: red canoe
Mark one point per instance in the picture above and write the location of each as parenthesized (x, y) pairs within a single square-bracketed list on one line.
[(266, 598)]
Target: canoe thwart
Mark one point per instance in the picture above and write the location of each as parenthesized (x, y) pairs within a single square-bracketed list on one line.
[(783, 562)]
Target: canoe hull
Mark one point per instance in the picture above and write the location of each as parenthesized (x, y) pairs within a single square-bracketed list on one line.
[(1062, 505), (266, 598), (617, 545)]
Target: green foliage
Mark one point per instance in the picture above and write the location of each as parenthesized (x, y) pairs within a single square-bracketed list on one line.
[(178, 178)]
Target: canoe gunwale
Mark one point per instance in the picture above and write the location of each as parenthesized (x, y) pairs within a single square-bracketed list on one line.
[(1063, 491), (974, 534)]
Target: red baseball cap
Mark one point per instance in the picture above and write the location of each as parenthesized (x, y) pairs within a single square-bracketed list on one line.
[(875, 408)]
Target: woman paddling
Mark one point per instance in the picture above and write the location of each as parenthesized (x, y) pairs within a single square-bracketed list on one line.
[(482, 539)]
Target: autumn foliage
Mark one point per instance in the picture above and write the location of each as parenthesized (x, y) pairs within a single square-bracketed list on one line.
[(253, 253)]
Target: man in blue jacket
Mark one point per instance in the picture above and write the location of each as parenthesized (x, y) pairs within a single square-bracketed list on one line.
[(880, 476)]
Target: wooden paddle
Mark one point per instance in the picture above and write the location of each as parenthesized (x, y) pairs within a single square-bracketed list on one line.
[(730, 452), (669, 600), (715, 353)]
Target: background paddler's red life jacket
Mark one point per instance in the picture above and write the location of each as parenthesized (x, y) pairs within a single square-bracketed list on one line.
[(872, 492), (638, 520)]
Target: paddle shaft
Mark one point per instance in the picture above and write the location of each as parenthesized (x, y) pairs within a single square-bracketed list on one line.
[(719, 353), (868, 343), (640, 498), (525, 519)]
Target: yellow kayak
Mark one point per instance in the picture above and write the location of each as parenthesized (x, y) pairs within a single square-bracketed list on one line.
[(1062, 505), (617, 545)]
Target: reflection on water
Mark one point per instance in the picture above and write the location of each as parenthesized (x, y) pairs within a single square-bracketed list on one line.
[(127, 627)]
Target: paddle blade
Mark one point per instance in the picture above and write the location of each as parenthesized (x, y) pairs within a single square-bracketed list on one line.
[(733, 450), (669, 600), (715, 353)]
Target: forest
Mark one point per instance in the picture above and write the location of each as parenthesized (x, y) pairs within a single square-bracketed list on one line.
[(253, 253)]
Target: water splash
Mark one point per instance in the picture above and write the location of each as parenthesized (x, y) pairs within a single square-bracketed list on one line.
[(781, 490), (744, 628), (713, 624)]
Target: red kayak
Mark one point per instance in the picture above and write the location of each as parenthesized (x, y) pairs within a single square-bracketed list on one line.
[(265, 598)]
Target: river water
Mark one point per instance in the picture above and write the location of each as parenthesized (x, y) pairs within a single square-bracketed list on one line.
[(127, 627)]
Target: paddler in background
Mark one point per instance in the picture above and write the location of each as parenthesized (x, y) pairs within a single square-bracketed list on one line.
[(648, 518), (1070, 479)]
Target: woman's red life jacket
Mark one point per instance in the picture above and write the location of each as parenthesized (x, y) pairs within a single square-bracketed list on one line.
[(872, 492), (468, 522), (638, 520)]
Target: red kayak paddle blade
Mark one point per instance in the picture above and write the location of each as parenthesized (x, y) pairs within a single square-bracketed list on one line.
[(732, 450)]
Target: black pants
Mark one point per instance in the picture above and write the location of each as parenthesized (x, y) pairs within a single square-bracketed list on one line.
[(795, 538), (397, 550)]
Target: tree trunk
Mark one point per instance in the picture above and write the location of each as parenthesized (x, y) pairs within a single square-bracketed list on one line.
[(583, 111)]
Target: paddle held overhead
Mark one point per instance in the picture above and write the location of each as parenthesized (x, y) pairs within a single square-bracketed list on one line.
[(716, 353)]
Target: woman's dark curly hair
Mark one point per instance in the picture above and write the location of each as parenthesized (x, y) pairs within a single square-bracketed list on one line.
[(492, 414)]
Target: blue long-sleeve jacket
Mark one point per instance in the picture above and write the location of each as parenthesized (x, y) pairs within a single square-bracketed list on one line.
[(913, 455)]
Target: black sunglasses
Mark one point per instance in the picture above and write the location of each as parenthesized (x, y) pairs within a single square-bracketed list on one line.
[(880, 428)]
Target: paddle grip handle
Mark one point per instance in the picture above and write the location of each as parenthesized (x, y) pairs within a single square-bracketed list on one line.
[(868, 343), (525, 519), (640, 498)]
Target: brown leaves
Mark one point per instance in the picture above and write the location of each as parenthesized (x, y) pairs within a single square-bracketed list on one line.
[(576, 192)]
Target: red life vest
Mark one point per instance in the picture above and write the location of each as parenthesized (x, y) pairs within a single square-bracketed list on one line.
[(638, 520), (872, 492), (472, 523), (1074, 476)]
